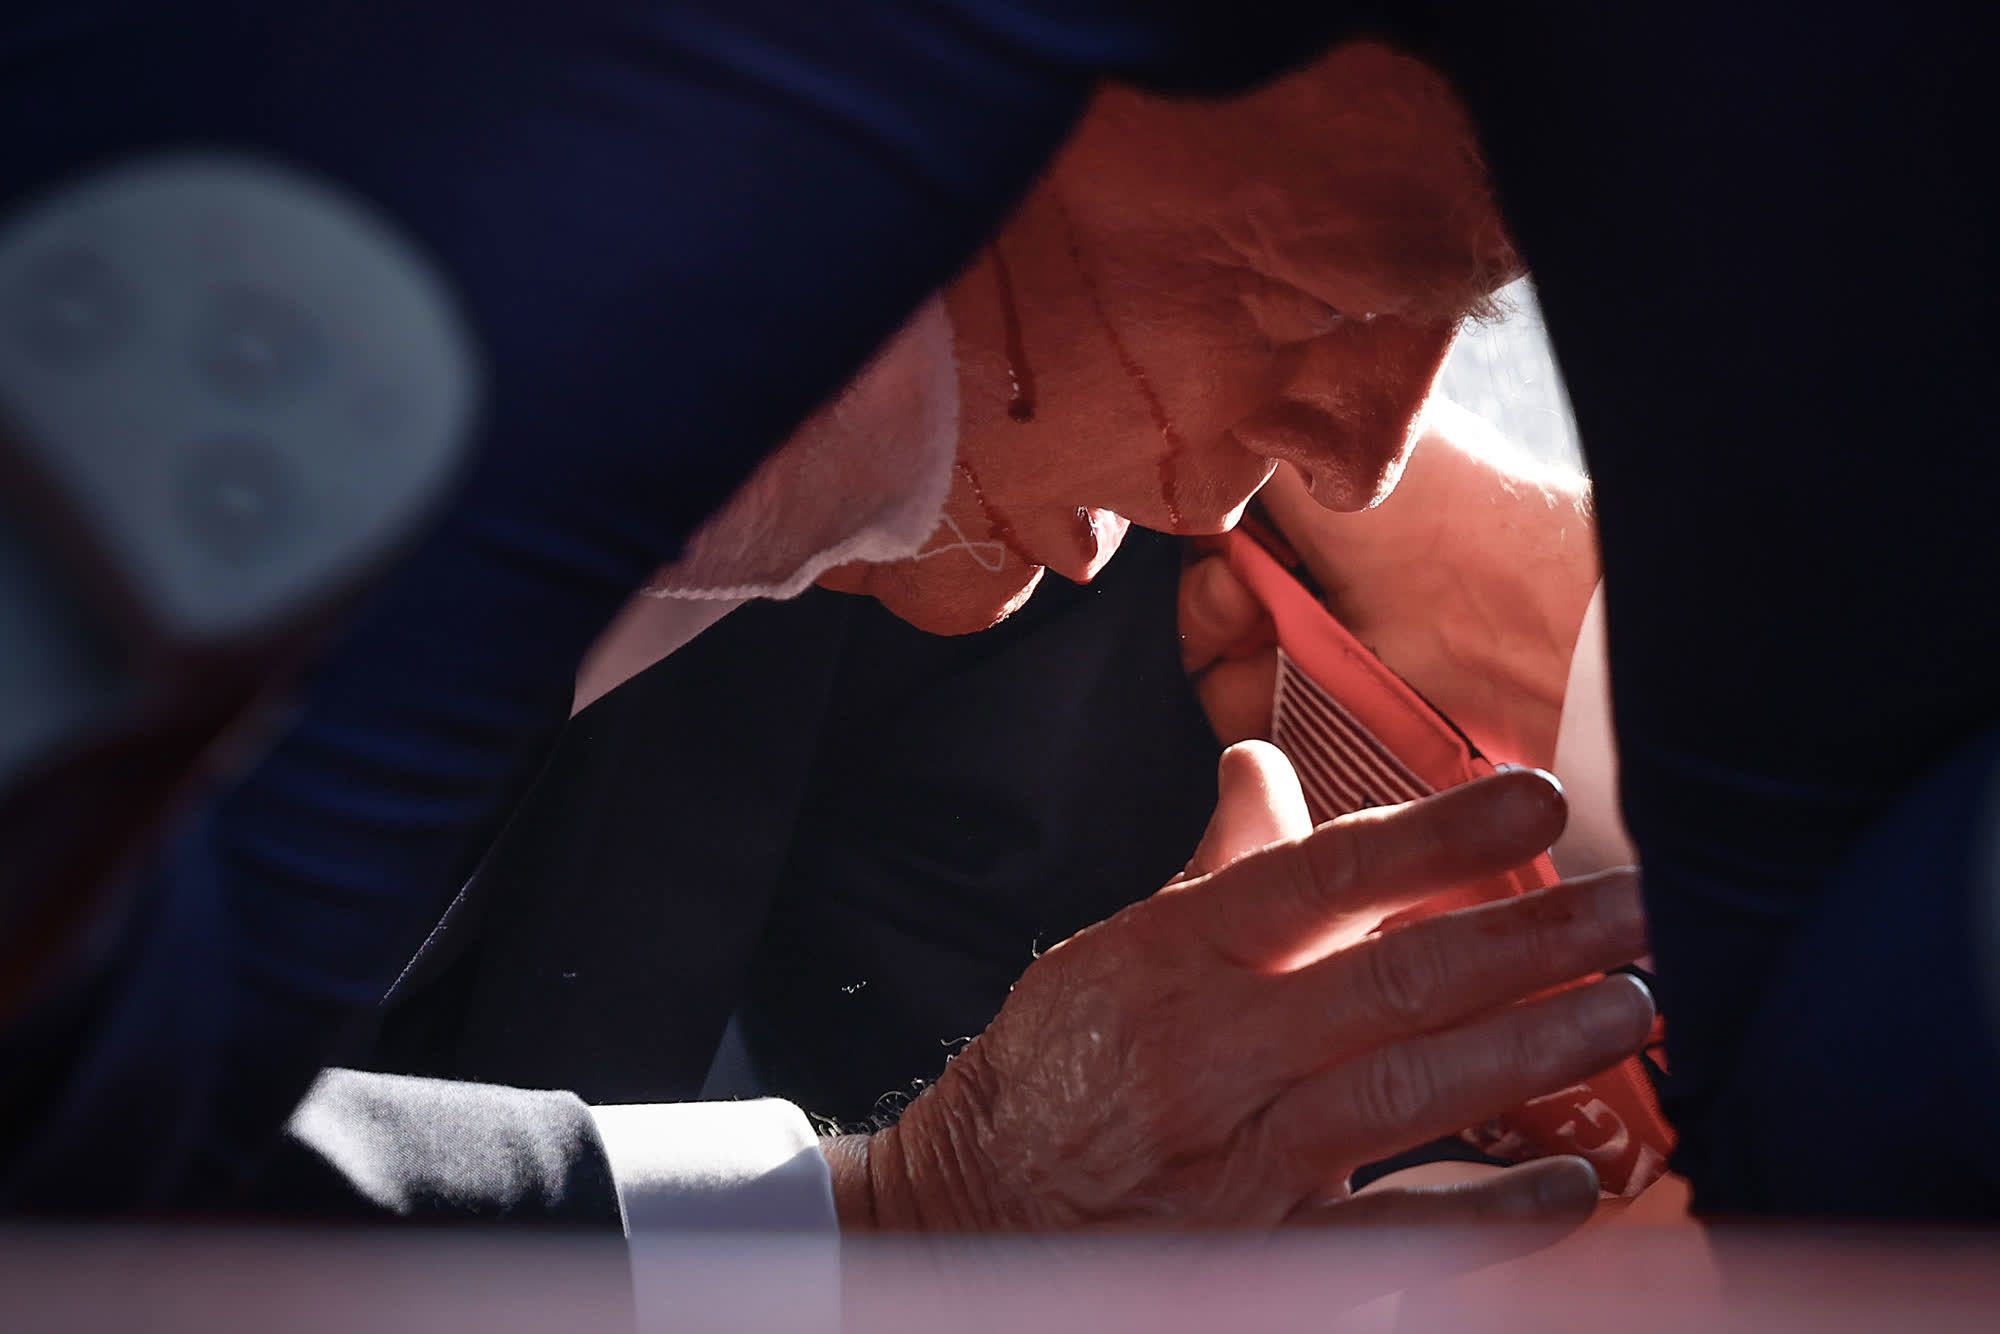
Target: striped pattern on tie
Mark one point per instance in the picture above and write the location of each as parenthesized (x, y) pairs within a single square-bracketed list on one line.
[(1341, 766)]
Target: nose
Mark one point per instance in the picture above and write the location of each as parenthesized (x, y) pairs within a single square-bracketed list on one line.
[(1345, 405)]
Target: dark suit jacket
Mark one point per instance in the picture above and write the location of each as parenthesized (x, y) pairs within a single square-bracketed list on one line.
[(366, 1145), (849, 833)]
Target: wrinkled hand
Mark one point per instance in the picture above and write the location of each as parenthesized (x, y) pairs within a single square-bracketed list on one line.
[(1229, 1050)]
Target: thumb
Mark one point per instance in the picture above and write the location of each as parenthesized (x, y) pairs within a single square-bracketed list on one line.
[(1257, 803)]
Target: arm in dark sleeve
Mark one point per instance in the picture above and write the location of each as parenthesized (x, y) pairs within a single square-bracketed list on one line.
[(1764, 258), (364, 1145), (674, 229)]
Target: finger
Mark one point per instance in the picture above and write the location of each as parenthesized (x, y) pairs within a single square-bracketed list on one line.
[(1408, 1092), (1505, 1216), (1271, 909), (1216, 611), (1443, 971), (1561, 1190), (1257, 803), (1236, 696)]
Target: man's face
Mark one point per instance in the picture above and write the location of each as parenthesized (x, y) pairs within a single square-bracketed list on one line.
[(1195, 292)]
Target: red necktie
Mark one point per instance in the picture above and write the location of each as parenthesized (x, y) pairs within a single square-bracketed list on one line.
[(1359, 736)]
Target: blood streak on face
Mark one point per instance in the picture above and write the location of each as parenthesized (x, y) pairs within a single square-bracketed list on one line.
[(1020, 376), (1174, 445), (997, 525)]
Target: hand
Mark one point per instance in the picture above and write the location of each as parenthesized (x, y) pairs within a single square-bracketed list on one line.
[(1229, 1050), (1228, 649)]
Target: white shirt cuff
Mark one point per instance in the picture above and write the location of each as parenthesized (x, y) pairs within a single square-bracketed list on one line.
[(712, 1167)]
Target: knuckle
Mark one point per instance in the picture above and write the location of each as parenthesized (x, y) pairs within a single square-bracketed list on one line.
[(1537, 1045), (1292, 875), (1209, 619), (1329, 864), (1207, 590), (1405, 977), (1542, 943), (1397, 1087)]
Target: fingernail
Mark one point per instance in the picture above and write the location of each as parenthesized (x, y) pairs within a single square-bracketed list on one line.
[(1616, 1012), (1526, 803), (1652, 1005), (1544, 774)]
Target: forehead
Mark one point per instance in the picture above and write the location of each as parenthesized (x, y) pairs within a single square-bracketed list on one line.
[(1361, 170)]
